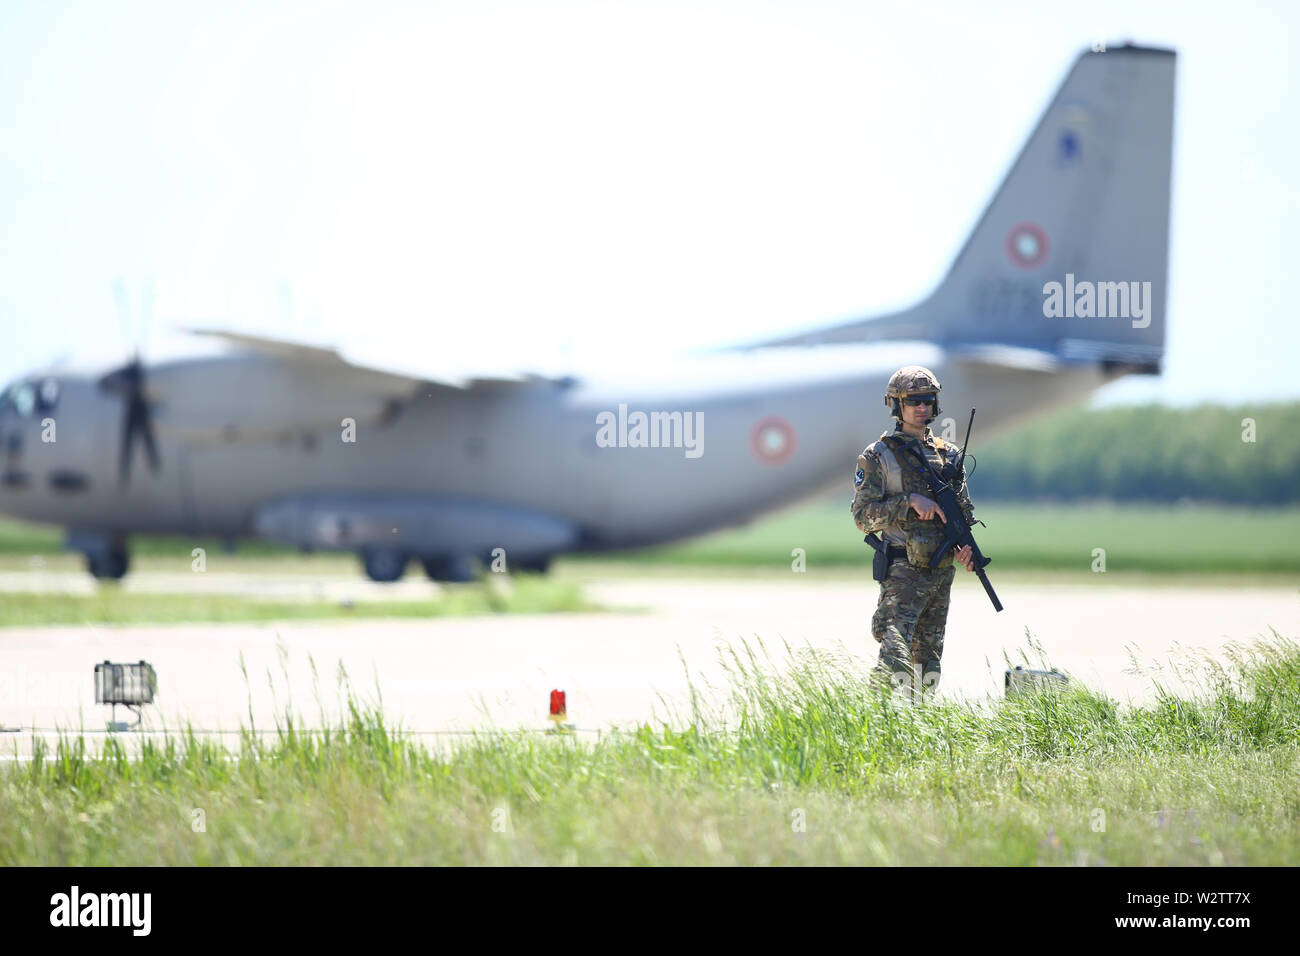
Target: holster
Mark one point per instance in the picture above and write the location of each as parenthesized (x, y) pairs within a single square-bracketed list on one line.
[(886, 554), (880, 567), (880, 564)]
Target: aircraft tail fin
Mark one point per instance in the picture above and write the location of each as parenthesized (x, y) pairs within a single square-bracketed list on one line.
[(1070, 258)]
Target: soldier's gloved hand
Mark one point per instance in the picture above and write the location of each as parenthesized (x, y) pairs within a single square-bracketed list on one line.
[(925, 507), (964, 557)]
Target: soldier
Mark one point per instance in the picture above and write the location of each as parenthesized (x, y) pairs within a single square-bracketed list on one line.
[(891, 497)]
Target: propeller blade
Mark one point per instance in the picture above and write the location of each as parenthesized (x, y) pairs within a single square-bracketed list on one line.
[(124, 454), (146, 314), (123, 303), (144, 427), (128, 382)]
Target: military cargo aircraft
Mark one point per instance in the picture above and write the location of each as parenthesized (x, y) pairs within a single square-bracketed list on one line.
[(1059, 289)]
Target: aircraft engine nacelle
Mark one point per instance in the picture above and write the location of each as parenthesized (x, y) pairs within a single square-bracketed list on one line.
[(414, 525)]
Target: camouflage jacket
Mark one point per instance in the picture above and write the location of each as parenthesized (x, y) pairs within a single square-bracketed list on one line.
[(880, 505)]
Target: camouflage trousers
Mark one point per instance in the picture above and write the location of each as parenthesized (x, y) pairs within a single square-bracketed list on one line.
[(910, 619)]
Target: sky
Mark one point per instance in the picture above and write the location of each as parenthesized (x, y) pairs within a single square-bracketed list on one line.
[(491, 179)]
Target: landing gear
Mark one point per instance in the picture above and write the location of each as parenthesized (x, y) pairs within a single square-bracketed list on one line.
[(454, 568), (106, 554), (384, 564), (110, 564)]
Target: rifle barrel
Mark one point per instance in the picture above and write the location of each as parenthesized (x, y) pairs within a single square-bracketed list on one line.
[(988, 589)]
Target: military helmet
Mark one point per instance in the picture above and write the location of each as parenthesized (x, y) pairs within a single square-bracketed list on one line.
[(911, 380)]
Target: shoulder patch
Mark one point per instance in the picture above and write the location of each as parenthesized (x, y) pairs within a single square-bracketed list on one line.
[(858, 477)]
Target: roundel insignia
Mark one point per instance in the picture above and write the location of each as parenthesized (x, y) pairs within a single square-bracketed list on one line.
[(772, 440), (1026, 245)]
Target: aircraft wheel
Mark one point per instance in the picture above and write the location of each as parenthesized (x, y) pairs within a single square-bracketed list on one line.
[(383, 564), (454, 569), (110, 565)]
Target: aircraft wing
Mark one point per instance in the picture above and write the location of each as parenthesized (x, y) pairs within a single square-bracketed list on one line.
[(1007, 356), (406, 374), (275, 390)]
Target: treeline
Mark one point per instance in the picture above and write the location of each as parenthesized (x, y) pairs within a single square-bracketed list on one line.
[(1243, 454)]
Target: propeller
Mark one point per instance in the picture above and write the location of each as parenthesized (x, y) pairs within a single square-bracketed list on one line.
[(128, 383)]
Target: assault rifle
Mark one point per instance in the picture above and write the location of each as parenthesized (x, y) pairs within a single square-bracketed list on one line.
[(956, 531)]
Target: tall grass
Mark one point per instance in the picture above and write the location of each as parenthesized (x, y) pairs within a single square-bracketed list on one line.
[(1208, 779)]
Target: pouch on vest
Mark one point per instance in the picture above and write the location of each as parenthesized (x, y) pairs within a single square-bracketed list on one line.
[(921, 544)]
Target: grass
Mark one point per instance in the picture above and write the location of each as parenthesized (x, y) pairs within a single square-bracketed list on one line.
[(804, 763), (521, 594), (1151, 539), (1136, 538)]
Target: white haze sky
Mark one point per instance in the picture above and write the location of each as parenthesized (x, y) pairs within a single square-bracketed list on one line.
[(468, 179)]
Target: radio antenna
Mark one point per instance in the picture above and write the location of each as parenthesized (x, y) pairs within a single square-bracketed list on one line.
[(961, 462)]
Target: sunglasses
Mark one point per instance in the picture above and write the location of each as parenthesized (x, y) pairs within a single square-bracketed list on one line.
[(919, 400)]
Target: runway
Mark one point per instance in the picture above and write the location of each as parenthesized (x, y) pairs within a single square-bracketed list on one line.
[(617, 668)]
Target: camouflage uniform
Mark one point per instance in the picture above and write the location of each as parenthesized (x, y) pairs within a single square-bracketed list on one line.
[(913, 609)]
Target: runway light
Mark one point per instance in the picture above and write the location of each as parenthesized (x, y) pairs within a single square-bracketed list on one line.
[(559, 713), (131, 685), (1023, 680)]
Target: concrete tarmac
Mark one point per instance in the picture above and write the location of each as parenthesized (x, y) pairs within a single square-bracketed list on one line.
[(618, 668)]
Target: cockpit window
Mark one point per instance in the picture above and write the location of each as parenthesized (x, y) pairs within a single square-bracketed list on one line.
[(24, 399), (47, 394), (28, 397)]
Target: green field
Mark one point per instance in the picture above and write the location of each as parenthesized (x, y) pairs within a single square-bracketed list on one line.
[(1136, 538), (1154, 539), (1143, 545), (810, 765)]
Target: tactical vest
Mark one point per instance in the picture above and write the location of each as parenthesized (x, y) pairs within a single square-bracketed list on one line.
[(902, 475)]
